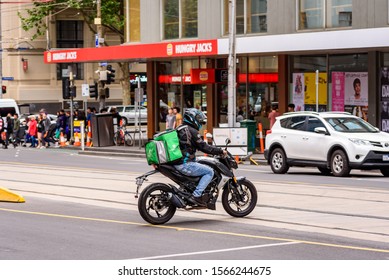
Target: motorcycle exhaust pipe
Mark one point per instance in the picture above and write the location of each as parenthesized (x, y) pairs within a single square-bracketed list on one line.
[(176, 200)]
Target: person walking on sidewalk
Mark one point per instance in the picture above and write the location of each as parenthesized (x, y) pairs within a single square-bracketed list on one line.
[(2, 134)]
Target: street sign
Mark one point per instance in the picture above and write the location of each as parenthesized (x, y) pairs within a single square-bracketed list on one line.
[(7, 78), (85, 90)]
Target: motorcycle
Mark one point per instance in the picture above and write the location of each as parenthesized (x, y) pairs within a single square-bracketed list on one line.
[(158, 202)]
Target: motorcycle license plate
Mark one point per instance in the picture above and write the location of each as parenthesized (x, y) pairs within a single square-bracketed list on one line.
[(385, 157)]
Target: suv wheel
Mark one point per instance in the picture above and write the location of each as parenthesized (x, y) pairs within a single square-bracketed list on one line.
[(278, 161), (385, 172), (339, 164)]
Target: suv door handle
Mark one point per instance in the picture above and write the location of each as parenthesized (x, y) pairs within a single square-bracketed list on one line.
[(305, 138)]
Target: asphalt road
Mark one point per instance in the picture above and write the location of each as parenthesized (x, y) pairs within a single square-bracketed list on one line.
[(80, 207)]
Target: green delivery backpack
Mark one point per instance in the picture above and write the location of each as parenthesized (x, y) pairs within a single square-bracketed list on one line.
[(164, 148)]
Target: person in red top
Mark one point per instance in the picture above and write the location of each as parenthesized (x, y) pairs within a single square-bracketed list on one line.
[(273, 114), (32, 131)]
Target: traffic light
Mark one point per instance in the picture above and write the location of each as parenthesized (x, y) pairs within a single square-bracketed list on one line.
[(94, 91), (106, 92), (65, 88), (4, 89), (73, 91), (110, 74)]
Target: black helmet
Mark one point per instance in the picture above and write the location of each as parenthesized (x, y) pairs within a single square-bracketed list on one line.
[(194, 117)]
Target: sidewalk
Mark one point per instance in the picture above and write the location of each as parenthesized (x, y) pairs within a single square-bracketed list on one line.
[(138, 151)]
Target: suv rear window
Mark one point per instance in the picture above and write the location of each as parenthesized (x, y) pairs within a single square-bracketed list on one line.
[(296, 123)]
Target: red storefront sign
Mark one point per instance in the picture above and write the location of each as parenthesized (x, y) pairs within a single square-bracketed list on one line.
[(202, 76), (134, 52)]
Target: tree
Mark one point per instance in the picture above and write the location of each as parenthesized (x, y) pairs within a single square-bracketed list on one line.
[(112, 20)]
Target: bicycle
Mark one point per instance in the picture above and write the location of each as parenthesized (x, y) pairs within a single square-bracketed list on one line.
[(123, 136)]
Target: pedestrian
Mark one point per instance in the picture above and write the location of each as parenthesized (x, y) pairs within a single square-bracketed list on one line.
[(46, 134), (273, 114), (32, 131), (2, 134), (40, 129), (9, 128), (16, 130), (176, 111), (291, 107), (61, 122), (170, 120)]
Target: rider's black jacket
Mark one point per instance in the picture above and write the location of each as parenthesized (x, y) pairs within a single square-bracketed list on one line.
[(191, 141)]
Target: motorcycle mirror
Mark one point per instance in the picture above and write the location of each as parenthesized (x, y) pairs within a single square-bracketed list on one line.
[(228, 141)]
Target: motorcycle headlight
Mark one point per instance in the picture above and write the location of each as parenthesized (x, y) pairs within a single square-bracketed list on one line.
[(357, 141)]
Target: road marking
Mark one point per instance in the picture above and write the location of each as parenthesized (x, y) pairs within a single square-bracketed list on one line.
[(217, 251), (226, 233)]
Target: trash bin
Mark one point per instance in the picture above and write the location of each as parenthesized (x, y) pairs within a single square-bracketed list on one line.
[(251, 133), (102, 130)]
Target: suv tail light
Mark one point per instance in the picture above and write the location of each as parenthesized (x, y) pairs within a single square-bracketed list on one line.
[(268, 131)]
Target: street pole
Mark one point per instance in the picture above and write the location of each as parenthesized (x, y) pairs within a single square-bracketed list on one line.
[(317, 90), (99, 41), (232, 65)]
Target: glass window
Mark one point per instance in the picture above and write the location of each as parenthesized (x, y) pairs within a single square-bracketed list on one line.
[(251, 16), (134, 21), (318, 14), (180, 19), (70, 34), (313, 123), (296, 123), (189, 18), (256, 16)]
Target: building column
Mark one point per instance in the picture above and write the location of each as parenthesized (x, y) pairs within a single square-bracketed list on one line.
[(373, 91), (283, 83), (152, 100)]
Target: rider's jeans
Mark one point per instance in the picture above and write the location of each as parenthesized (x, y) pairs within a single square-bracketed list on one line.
[(194, 169)]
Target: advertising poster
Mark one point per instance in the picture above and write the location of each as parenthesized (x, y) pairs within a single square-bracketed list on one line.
[(338, 91), (171, 100), (384, 99), (310, 91), (356, 89), (197, 99), (298, 91)]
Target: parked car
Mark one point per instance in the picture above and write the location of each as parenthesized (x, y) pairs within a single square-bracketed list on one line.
[(331, 141), (127, 112)]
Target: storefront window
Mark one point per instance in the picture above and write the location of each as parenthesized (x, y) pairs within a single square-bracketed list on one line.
[(344, 88), (257, 79), (318, 14), (180, 19), (251, 16)]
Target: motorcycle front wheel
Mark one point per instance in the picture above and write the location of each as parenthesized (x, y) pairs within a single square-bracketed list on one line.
[(154, 205), (239, 204)]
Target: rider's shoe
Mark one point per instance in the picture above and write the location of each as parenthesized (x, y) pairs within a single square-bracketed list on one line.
[(197, 200)]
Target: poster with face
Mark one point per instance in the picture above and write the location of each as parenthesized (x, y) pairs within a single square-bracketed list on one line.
[(356, 89), (298, 91)]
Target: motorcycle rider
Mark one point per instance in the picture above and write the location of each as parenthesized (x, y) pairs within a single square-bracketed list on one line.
[(191, 140)]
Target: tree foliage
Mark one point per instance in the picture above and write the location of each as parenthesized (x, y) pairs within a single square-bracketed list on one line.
[(112, 15), (112, 19)]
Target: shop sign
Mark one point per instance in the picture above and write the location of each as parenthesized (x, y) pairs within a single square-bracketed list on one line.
[(202, 76), (136, 51), (174, 79)]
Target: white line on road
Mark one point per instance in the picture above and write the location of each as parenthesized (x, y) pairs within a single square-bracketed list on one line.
[(218, 251)]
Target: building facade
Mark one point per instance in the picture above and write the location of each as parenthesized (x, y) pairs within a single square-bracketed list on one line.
[(317, 54)]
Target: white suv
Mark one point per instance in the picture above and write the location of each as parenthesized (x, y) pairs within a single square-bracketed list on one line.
[(334, 142)]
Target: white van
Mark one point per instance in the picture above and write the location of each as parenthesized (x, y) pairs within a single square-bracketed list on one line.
[(8, 106)]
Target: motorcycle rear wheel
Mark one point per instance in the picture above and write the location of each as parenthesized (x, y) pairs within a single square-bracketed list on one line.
[(236, 205), (154, 205)]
